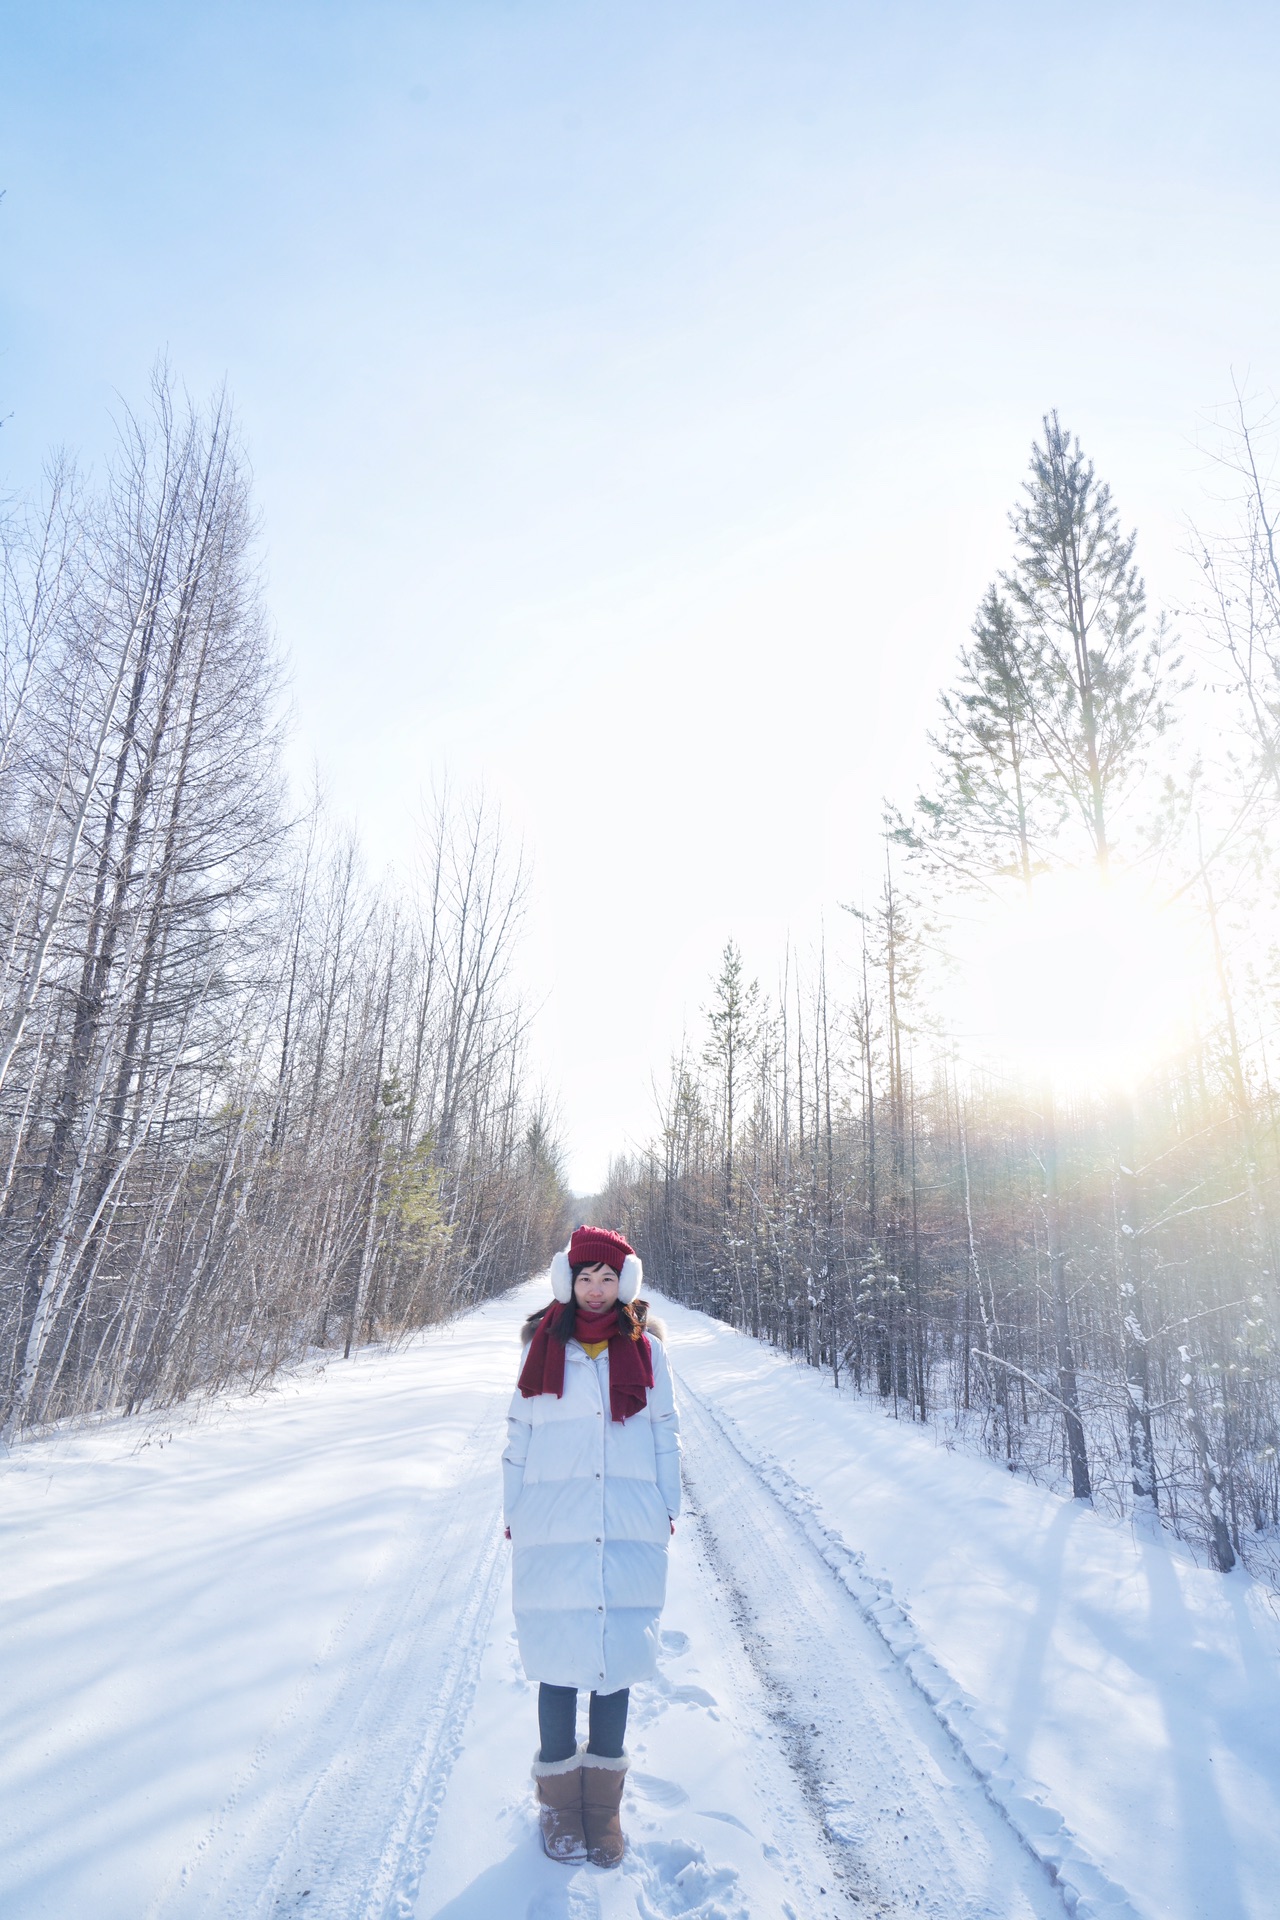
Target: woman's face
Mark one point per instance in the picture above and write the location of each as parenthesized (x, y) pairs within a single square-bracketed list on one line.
[(596, 1288)]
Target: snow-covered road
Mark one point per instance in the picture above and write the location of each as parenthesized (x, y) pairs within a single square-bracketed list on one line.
[(260, 1662), (783, 1766)]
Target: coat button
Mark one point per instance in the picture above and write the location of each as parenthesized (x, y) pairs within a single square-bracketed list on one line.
[(599, 1609), (599, 1541)]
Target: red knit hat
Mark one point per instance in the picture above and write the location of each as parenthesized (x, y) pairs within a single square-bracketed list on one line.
[(590, 1245)]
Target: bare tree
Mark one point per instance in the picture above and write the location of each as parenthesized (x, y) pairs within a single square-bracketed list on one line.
[(249, 1101)]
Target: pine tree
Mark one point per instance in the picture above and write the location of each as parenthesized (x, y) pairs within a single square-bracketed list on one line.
[(734, 1020), (1093, 679), (995, 810)]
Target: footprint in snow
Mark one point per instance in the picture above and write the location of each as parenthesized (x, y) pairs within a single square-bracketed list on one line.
[(675, 1642), (730, 1820), (693, 1696), (678, 1882), (687, 1694), (660, 1694), (569, 1902), (662, 1793)]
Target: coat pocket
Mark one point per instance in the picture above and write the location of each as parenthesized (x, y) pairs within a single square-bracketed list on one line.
[(635, 1510)]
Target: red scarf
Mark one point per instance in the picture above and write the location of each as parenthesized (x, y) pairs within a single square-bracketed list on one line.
[(630, 1357)]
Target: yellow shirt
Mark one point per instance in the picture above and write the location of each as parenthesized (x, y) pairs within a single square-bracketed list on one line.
[(594, 1348)]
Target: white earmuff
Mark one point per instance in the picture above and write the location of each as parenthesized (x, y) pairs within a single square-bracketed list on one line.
[(629, 1279), (562, 1277)]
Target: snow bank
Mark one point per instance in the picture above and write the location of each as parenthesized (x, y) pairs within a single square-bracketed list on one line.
[(1123, 1703), (195, 1610)]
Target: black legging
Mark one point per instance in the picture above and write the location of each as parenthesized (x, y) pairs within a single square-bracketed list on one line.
[(558, 1722)]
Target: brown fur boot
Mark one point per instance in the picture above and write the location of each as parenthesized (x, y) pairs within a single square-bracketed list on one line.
[(602, 1806), (558, 1784)]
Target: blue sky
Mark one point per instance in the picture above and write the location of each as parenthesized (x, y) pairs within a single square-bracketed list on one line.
[(636, 394)]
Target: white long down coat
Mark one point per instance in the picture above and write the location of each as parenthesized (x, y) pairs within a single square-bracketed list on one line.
[(590, 1501)]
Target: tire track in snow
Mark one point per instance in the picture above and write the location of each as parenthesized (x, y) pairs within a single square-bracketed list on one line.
[(369, 1761), (909, 1818), (845, 1866), (394, 1890), (1088, 1893)]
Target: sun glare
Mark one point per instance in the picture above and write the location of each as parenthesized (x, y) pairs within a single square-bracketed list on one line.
[(1088, 982)]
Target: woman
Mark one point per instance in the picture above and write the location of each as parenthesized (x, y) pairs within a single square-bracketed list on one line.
[(592, 1490)]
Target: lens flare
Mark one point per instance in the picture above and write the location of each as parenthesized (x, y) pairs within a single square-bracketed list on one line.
[(1089, 981)]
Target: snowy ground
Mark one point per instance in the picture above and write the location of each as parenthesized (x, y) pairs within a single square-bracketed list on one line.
[(260, 1662)]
